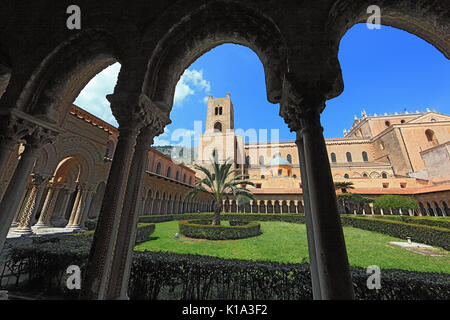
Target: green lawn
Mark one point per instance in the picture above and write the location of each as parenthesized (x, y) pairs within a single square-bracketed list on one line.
[(286, 242)]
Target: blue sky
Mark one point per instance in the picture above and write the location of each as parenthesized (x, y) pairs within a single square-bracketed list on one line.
[(386, 70)]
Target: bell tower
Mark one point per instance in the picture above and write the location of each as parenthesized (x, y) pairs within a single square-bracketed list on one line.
[(220, 114), (219, 142)]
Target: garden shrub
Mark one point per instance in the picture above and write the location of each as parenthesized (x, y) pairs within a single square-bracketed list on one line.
[(203, 229), (441, 222), (434, 236), (160, 275)]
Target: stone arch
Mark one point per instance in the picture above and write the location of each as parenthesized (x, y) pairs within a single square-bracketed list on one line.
[(65, 71), (148, 202), (445, 208), (158, 168), (81, 149), (5, 72), (333, 157), (431, 136), (429, 20), (374, 174), (364, 156), (437, 209), (110, 149), (422, 209), (348, 155), (218, 126), (204, 28), (356, 175)]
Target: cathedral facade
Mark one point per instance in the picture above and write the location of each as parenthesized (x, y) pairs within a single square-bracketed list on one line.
[(404, 154)]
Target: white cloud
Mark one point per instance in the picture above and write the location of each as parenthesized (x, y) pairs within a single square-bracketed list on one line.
[(191, 82), (163, 139), (93, 97)]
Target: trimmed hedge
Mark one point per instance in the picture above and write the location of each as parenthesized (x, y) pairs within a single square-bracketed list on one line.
[(434, 236), (203, 229), (285, 217), (158, 275), (440, 222)]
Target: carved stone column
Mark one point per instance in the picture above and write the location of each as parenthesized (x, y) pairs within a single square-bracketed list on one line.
[(49, 205), (20, 208), (329, 268), (90, 196), (12, 129), (126, 237), (76, 205), (80, 208), (30, 210), (11, 199), (132, 111)]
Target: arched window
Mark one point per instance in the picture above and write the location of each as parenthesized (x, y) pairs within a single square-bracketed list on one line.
[(184, 178), (190, 180), (220, 111), (177, 175), (346, 176), (349, 157), (218, 127), (431, 137), (261, 160), (247, 160), (289, 158), (110, 150), (217, 111), (365, 175), (364, 156), (158, 168), (263, 176), (169, 172), (384, 175), (277, 155), (333, 157)]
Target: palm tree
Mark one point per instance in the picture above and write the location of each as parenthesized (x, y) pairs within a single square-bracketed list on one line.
[(343, 186), (221, 184)]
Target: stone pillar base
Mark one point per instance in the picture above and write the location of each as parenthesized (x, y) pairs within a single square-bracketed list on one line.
[(75, 228), (3, 295), (42, 225), (24, 231), (58, 223)]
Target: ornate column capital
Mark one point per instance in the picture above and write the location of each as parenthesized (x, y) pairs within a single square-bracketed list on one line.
[(301, 109), (40, 137), (13, 129), (39, 180), (136, 110)]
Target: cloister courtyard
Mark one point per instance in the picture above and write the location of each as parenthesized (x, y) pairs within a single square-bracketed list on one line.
[(225, 150)]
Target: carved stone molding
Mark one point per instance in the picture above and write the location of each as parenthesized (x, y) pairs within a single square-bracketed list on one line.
[(301, 110), (13, 129)]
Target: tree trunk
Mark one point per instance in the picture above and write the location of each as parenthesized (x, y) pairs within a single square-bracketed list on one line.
[(217, 211)]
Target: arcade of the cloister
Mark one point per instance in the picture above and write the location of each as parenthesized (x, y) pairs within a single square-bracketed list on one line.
[(45, 65)]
